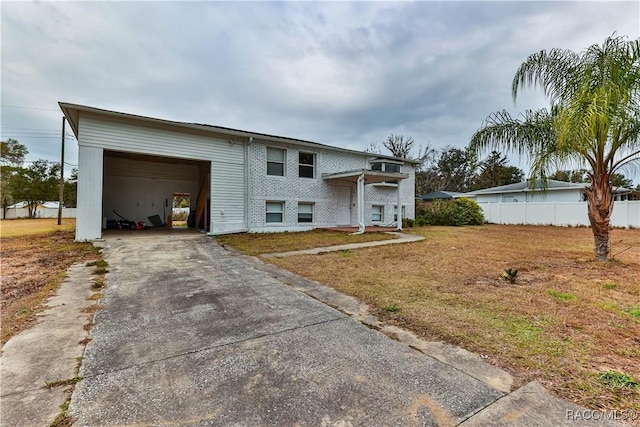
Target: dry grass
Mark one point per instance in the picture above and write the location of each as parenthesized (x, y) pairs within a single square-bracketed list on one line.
[(258, 244), (28, 227), (566, 319), (33, 266)]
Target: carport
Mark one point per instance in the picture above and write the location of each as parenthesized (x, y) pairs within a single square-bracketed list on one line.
[(138, 186), (135, 164)]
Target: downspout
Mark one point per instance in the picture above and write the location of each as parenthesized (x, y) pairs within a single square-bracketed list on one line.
[(360, 197), (247, 183)]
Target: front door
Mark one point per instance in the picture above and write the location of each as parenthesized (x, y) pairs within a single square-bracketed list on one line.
[(344, 206)]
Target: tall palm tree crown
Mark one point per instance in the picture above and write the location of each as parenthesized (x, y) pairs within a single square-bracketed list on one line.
[(593, 120)]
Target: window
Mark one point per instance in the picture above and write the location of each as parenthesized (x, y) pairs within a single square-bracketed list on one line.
[(395, 213), (275, 212), (377, 213), (385, 166), (378, 165), (275, 161), (305, 212), (306, 165)]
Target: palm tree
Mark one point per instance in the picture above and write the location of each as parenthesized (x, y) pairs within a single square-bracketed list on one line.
[(593, 122)]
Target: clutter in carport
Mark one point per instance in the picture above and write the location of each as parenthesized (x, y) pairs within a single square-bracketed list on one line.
[(126, 224)]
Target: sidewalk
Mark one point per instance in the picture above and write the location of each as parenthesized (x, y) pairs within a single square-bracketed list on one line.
[(401, 238)]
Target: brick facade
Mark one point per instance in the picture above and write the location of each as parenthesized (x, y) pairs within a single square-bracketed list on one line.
[(292, 189)]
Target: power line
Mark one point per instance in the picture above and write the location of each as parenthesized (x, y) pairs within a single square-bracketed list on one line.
[(29, 108)]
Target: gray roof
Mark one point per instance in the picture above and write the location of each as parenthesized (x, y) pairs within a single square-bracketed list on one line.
[(439, 195), (524, 186)]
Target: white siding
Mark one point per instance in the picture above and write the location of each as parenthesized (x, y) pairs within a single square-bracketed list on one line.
[(228, 196), (123, 136), (137, 189), (90, 166)]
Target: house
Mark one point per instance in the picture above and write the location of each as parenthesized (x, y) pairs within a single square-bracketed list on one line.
[(43, 210), (560, 203), (439, 195), (238, 181), (554, 191)]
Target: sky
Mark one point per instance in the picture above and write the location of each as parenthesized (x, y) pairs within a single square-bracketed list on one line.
[(347, 74)]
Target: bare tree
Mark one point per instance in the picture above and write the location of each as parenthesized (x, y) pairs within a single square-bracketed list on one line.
[(399, 145)]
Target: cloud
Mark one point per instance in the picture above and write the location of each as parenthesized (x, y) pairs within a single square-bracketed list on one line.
[(341, 73)]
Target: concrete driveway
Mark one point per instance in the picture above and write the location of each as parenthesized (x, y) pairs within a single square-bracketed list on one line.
[(190, 335)]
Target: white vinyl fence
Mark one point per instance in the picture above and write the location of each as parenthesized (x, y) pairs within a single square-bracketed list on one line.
[(625, 214), (13, 213)]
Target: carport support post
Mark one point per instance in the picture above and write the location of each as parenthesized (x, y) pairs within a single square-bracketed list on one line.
[(61, 195)]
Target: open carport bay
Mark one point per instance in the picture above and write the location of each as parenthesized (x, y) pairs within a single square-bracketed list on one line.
[(139, 186), (192, 336)]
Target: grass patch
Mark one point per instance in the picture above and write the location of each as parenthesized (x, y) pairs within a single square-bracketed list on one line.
[(610, 285), (634, 312), (33, 266), (100, 271), (63, 419), (617, 379), (264, 243), (30, 227), (452, 296), (98, 285), (392, 308), (98, 263), (95, 296), (62, 383), (565, 296)]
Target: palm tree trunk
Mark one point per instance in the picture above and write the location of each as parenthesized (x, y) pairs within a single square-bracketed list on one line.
[(600, 206)]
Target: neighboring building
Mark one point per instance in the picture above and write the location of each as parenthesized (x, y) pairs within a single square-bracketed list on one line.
[(237, 180), (555, 191), (439, 195), (43, 210), (561, 203)]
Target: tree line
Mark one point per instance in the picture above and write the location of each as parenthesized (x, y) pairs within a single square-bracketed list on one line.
[(34, 184), (459, 169)]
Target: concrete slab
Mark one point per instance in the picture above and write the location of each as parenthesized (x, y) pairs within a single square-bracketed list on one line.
[(47, 352), (533, 406), (192, 336)]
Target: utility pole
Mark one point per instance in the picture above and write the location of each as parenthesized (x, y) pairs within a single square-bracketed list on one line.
[(61, 195)]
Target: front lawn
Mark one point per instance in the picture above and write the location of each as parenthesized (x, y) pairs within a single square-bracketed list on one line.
[(265, 243), (567, 320)]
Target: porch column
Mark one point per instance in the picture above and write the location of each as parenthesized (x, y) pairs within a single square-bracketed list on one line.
[(399, 221), (360, 198)]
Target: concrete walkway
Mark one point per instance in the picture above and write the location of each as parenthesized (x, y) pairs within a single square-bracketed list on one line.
[(192, 335), (400, 238)]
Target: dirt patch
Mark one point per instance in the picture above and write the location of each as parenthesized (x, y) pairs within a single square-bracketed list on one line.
[(32, 269)]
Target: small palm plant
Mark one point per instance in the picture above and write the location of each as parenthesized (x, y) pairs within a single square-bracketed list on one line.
[(509, 275)]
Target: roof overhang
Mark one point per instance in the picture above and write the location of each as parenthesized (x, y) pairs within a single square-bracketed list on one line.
[(370, 176)]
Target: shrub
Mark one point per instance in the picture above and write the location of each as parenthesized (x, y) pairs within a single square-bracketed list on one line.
[(455, 212), (407, 223)]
